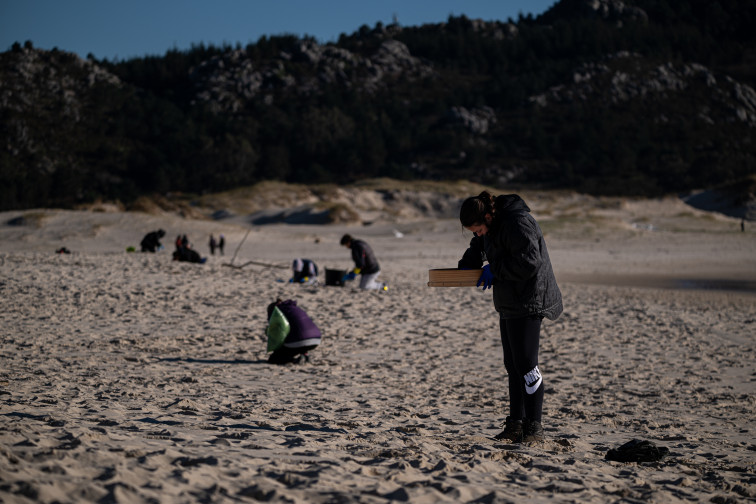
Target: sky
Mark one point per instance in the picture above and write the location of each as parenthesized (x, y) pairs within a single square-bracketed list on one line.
[(124, 29)]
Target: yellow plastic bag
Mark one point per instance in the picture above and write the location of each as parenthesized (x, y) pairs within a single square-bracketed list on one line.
[(278, 329)]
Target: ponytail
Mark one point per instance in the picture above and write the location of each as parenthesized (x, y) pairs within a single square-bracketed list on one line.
[(475, 208)]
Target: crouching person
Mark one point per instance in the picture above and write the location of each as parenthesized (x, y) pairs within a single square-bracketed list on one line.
[(303, 335), (151, 241), (304, 271)]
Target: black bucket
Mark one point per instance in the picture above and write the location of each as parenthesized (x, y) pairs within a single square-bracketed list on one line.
[(334, 277)]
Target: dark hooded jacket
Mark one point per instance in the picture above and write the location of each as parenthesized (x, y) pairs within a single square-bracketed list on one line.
[(364, 258), (151, 241), (524, 282)]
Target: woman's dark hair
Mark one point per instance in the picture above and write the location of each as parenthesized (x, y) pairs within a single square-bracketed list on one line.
[(272, 305), (475, 208)]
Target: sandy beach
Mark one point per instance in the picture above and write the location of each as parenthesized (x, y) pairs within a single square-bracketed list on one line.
[(129, 378)]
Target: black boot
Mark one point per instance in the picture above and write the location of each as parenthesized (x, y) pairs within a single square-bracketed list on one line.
[(532, 431), (512, 431)]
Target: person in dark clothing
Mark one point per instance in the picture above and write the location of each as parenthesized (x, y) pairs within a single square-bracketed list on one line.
[(304, 271), (365, 263), (151, 241), (303, 335), (221, 244), (524, 292), (185, 253), (213, 244)]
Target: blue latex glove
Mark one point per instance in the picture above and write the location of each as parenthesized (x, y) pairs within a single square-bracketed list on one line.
[(486, 278), (349, 276)]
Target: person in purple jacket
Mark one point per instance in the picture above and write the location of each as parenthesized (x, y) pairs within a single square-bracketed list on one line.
[(303, 336)]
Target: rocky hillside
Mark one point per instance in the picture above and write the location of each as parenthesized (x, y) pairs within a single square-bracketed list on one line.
[(227, 83), (611, 82), (601, 96)]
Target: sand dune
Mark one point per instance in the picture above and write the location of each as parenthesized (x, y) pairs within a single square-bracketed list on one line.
[(127, 377)]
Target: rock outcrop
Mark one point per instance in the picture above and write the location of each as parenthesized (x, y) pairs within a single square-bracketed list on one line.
[(228, 81), (38, 78), (610, 83)]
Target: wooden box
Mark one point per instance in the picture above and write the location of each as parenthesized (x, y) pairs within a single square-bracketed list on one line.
[(452, 277)]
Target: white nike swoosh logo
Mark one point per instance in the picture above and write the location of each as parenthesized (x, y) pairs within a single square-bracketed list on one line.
[(530, 388)]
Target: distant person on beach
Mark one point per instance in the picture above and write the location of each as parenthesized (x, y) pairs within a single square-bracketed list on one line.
[(304, 271), (185, 253), (742, 225), (303, 335), (151, 241), (221, 244), (365, 263), (212, 245), (524, 291)]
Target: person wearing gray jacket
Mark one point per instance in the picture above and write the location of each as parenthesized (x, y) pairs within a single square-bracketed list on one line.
[(524, 292)]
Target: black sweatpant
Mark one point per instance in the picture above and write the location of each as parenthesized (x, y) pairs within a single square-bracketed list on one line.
[(284, 355), (520, 339)]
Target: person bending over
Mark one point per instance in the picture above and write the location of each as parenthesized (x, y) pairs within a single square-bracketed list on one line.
[(303, 335), (524, 291), (365, 263), (151, 241), (304, 271)]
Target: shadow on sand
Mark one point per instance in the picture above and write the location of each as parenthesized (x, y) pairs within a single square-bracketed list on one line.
[(745, 286), (212, 361)]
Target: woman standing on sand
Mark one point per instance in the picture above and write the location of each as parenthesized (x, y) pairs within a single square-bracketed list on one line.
[(524, 291)]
